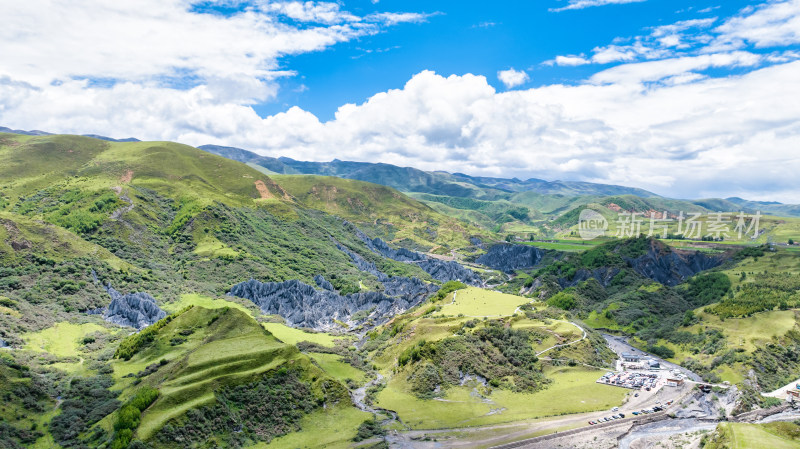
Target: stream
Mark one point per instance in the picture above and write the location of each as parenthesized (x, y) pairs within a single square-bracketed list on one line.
[(359, 397)]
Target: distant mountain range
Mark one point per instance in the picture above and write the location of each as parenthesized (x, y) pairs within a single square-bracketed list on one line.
[(408, 179), (485, 199), (545, 198), (36, 132)]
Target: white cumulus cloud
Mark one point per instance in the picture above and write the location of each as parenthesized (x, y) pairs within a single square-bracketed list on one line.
[(512, 78), (659, 120), (581, 4)]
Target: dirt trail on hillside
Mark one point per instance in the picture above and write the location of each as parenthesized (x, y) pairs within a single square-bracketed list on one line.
[(263, 190)]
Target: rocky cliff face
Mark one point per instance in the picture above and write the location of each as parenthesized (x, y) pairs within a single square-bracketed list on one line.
[(672, 267), (603, 275), (137, 310), (508, 257), (323, 283), (361, 263), (304, 306), (440, 270)]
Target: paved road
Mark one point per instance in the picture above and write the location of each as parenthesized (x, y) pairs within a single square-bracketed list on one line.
[(781, 392)]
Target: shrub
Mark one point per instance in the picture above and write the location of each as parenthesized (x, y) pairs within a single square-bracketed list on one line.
[(129, 417), (562, 300), (134, 343), (368, 429), (447, 288)]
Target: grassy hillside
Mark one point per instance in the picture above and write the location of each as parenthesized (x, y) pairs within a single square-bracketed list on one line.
[(778, 435), (752, 326), (479, 332), (381, 210), (183, 226)]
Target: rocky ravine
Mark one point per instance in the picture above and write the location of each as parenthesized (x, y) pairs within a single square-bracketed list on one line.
[(508, 258), (440, 270), (302, 305), (321, 307), (672, 267)]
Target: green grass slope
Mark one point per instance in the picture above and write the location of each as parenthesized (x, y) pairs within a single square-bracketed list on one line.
[(479, 332), (201, 354), (381, 210)]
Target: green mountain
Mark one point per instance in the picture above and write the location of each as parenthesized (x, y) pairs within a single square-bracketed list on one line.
[(409, 179), (99, 235), (361, 310)]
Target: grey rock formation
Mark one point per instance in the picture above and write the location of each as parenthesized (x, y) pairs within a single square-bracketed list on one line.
[(323, 283), (3, 343), (603, 275), (666, 266), (304, 306), (508, 257), (672, 267), (137, 310), (476, 241), (450, 271), (361, 263), (439, 269)]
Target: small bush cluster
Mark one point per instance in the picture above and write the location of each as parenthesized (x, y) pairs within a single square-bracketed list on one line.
[(368, 429), (86, 401), (134, 343)]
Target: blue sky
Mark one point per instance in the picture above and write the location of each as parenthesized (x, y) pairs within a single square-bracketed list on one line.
[(469, 37), (688, 99)]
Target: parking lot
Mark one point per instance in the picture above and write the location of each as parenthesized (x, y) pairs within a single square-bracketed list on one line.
[(632, 380)]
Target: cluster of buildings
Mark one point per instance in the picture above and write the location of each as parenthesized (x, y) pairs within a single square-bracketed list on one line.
[(634, 361)]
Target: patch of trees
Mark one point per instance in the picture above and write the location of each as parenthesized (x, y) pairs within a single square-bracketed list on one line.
[(368, 429), (258, 411), (86, 401), (708, 288), (129, 417), (136, 342), (563, 300), (661, 351), (502, 355), (447, 288), (764, 292), (752, 251)]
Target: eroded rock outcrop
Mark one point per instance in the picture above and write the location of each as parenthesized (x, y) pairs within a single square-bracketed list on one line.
[(671, 267), (603, 275), (441, 270), (508, 258), (361, 263), (137, 310), (304, 306), (323, 283)]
